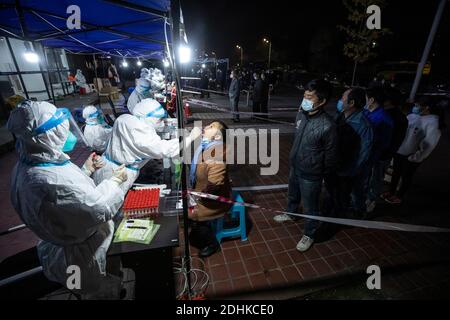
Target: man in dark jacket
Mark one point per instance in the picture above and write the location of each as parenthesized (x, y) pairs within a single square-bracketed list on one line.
[(257, 93), (355, 138), (312, 157), (234, 93), (264, 95)]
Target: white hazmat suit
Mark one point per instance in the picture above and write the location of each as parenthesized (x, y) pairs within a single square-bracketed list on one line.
[(97, 134), (58, 201), (134, 141)]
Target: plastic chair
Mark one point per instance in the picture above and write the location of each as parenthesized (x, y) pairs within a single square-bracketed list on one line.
[(236, 212)]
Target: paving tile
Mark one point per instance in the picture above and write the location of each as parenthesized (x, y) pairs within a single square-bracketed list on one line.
[(247, 252), (242, 284), (288, 243), (253, 266), (261, 249), (216, 259), (336, 247), (268, 263), (276, 278), (283, 259), (348, 244), (323, 250), (281, 232), (231, 255), (291, 274), (306, 270), (223, 287), (275, 246), (297, 256), (219, 273), (268, 235), (237, 270), (321, 267), (335, 263), (259, 281)]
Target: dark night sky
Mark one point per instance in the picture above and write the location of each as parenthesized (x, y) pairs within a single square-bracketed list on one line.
[(218, 25)]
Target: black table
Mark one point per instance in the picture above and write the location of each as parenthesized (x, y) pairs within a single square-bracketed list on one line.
[(153, 263)]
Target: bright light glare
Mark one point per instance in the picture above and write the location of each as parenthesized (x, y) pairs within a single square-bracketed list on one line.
[(124, 64), (166, 63), (203, 65), (185, 54), (139, 63), (31, 56)]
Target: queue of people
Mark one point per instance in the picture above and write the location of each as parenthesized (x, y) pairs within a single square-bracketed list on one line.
[(351, 153)]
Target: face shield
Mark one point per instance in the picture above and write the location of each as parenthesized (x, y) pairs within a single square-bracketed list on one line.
[(156, 118), (96, 117), (63, 117)]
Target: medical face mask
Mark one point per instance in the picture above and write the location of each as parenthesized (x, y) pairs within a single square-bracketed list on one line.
[(416, 109), (307, 105), (70, 143), (340, 106)]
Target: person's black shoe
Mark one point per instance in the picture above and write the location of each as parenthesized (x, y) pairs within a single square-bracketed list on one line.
[(236, 120), (209, 250)]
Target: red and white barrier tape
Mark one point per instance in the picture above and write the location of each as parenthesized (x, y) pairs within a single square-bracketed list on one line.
[(382, 225), (214, 106)]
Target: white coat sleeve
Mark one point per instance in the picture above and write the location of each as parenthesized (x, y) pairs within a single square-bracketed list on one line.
[(152, 146), (427, 145), (88, 202)]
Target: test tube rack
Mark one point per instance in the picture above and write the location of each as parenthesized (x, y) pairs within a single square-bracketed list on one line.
[(141, 204)]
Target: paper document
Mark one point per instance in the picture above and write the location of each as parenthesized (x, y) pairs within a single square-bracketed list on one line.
[(136, 230)]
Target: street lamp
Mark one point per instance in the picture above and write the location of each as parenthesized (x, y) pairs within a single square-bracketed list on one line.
[(242, 53), (270, 49), (184, 54)]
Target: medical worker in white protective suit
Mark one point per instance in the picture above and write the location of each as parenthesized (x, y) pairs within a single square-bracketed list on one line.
[(134, 141), (58, 201), (96, 131), (141, 91)]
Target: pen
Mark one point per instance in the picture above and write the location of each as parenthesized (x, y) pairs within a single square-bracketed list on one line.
[(136, 227)]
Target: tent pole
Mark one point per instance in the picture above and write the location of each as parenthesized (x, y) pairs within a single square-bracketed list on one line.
[(48, 75), (175, 23)]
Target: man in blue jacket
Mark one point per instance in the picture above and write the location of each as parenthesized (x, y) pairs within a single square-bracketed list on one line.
[(382, 125), (355, 139), (312, 157)]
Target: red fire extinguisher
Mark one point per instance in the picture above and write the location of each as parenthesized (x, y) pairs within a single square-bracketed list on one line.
[(187, 110)]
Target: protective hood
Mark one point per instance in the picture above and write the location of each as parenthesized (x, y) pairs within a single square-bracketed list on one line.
[(149, 108), (145, 73), (42, 147), (143, 86), (90, 114)]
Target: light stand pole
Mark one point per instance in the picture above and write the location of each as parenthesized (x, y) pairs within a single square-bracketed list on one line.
[(242, 54), (426, 51), (270, 50)]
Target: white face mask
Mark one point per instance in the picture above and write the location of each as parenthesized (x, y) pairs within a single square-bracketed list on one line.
[(231, 76), (157, 124)]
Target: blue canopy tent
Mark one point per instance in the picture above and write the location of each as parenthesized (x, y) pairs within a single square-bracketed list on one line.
[(132, 28), (121, 28)]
